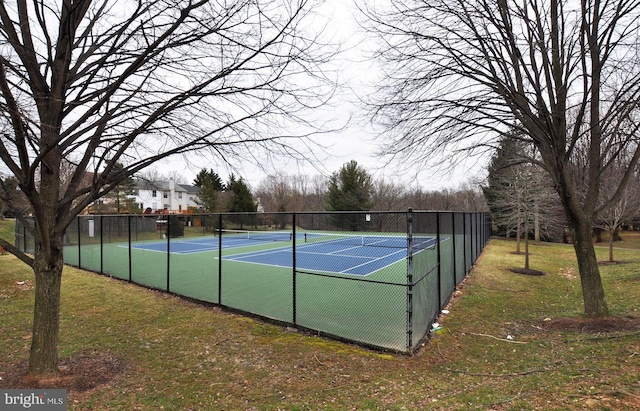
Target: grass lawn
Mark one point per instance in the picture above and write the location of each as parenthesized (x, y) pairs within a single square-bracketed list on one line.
[(510, 342)]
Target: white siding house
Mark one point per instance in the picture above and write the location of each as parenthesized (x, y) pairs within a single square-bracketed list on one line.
[(165, 195)]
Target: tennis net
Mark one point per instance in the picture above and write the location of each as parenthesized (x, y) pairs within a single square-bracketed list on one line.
[(256, 235), (368, 240)]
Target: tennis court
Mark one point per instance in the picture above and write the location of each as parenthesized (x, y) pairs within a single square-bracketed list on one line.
[(319, 252), (343, 254), (377, 279)]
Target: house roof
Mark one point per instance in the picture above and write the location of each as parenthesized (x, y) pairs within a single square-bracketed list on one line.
[(164, 186)]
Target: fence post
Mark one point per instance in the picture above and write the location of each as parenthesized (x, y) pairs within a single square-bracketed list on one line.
[(168, 248), (129, 239), (409, 280), (79, 250), (293, 263), (472, 238), (101, 246), (439, 260), (452, 236), (467, 243), (220, 259)]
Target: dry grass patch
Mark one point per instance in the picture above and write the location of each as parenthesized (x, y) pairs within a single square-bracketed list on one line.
[(126, 347)]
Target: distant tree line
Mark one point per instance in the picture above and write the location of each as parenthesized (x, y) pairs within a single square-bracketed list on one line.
[(352, 188)]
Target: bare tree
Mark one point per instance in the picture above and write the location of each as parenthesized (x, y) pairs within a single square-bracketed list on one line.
[(612, 219), (96, 83), (317, 192), (519, 191), (277, 193), (469, 197), (520, 198), (388, 196), (460, 73)]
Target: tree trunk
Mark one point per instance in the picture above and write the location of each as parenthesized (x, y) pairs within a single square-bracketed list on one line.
[(536, 223), (526, 244), (611, 238), (48, 263), (47, 266), (518, 234), (595, 303)]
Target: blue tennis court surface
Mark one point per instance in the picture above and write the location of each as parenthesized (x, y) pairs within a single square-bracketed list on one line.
[(344, 254), (344, 260), (348, 254), (211, 243)]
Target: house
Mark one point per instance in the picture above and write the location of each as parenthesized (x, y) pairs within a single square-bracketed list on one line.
[(166, 196)]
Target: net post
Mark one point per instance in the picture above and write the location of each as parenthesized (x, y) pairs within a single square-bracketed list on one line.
[(293, 264), (409, 280)]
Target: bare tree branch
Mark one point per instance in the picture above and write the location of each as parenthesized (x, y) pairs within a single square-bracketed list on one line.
[(564, 74)]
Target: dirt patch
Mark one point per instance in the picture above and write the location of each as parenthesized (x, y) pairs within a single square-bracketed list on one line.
[(525, 271), (25, 285), (80, 373), (592, 325)]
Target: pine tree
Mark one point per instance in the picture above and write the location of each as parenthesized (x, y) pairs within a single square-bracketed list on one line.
[(209, 188), (350, 189), (241, 201)]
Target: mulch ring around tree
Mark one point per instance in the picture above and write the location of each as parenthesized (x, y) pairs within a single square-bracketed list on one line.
[(612, 324), (79, 374), (526, 271)]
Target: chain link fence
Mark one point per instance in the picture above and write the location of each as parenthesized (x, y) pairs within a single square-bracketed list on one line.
[(378, 279)]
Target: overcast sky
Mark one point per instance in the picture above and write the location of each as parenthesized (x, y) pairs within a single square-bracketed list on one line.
[(355, 142)]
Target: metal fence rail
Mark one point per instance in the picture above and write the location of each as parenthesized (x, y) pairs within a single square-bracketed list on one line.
[(378, 279)]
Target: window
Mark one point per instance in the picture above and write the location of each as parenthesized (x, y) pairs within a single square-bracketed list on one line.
[(180, 195), (165, 194), (153, 193)]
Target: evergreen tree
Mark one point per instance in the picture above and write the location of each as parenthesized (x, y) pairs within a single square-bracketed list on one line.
[(122, 198), (210, 186), (350, 189), (241, 200), (176, 227)]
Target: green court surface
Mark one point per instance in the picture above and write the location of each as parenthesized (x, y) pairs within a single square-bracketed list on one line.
[(380, 287), (370, 309)]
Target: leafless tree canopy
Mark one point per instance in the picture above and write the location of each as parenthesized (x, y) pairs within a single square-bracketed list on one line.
[(100, 82), (461, 73), (92, 91)]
